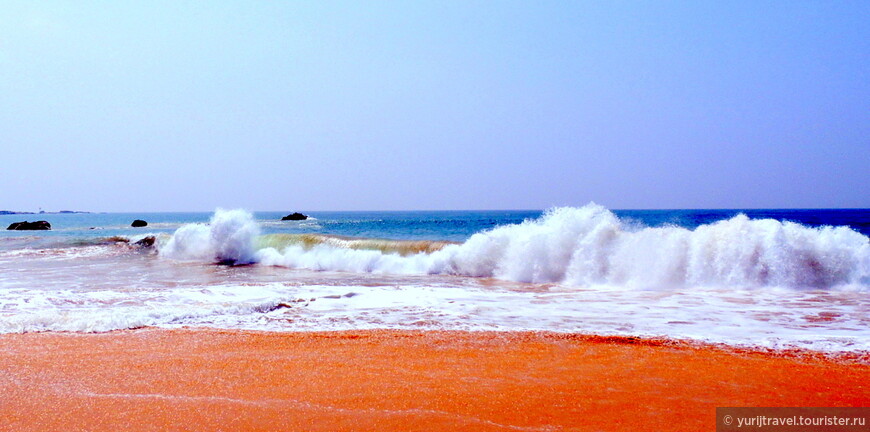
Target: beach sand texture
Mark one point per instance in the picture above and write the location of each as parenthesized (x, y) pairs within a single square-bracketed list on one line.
[(388, 380)]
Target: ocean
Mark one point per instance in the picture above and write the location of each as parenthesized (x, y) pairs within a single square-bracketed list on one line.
[(764, 278)]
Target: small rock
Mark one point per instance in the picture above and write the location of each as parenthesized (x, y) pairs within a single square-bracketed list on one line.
[(294, 217), (146, 242), (138, 223), (279, 306), (22, 226)]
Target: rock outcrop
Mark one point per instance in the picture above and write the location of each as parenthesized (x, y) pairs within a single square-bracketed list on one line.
[(22, 226), (147, 242), (138, 223), (294, 217)]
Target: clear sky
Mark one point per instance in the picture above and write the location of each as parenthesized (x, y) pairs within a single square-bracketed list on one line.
[(387, 105)]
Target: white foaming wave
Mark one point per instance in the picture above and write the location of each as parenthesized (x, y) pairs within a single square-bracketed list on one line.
[(821, 320), (229, 238), (590, 246), (66, 253), (100, 311), (328, 257)]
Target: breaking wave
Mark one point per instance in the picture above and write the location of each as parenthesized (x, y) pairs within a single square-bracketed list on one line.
[(573, 246), (227, 239)]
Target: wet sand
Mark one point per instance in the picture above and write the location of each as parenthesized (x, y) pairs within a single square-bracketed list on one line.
[(216, 380)]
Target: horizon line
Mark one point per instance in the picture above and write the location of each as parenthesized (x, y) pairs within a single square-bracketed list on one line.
[(58, 212)]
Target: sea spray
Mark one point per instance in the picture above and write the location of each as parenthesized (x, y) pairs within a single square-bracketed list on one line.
[(233, 233), (591, 246), (228, 239)]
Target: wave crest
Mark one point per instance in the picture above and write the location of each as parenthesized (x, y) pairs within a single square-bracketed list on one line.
[(590, 245)]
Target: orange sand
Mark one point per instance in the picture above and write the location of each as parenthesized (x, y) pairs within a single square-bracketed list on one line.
[(212, 380)]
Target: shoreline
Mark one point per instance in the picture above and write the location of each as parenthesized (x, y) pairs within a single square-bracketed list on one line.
[(794, 352), (213, 379)]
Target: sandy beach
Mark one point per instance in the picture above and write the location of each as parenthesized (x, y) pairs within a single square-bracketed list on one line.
[(212, 380)]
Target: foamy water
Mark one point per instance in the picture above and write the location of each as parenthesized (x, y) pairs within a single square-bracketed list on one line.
[(739, 281)]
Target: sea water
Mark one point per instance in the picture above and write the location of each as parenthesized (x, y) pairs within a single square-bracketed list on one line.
[(771, 278)]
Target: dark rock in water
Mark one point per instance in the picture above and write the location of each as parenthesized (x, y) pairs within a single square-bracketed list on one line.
[(138, 223), (146, 242), (232, 262), (295, 217), (278, 306), (21, 226)]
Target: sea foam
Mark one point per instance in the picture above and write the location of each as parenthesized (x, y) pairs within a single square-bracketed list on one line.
[(586, 246), (228, 239)]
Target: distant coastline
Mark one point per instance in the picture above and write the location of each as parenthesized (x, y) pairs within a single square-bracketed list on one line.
[(10, 212)]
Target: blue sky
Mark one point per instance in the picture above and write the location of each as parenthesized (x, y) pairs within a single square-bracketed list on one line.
[(173, 106)]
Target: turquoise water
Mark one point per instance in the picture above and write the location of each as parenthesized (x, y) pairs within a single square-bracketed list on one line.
[(418, 225), (411, 225)]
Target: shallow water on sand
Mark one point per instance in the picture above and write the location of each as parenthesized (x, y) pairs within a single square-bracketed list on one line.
[(100, 288)]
